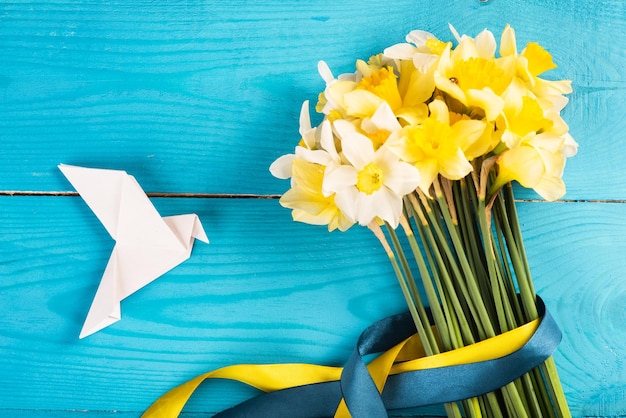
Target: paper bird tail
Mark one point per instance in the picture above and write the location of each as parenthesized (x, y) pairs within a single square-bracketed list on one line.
[(105, 308)]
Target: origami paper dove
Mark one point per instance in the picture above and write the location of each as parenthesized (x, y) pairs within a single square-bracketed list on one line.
[(147, 245)]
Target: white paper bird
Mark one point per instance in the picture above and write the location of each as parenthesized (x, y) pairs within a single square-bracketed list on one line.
[(147, 245)]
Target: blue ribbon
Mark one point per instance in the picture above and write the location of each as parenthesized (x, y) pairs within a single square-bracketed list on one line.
[(404, 390)]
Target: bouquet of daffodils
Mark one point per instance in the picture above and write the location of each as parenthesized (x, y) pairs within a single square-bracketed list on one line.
[(426, 138)]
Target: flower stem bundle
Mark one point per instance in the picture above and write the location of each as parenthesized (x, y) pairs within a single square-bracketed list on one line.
[(475, 277)]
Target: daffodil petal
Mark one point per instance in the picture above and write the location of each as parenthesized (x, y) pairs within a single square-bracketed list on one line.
[(548, 142), (361, 103), (486, 99), (443, 83), (485, 44), (305, 120), (550, 188), (382, 119), (324, 70), (403, 178), (338, 179), (465, 50), (335, 92), (428, 172), (511, 139), (327, 140), (424, 61), (508, 44), (420, 88), (467, 132), (439, 111), (454, 32), (299, 199), (413, 115), (308, 176), (570, 146), (383, 203), (523, 164), (357, 149), (282, 167), (419, 37), (401, 51), (347, 202), (320, 157), (457, 167)]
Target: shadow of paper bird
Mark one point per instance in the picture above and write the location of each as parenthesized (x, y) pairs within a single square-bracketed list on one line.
[(146, 244)]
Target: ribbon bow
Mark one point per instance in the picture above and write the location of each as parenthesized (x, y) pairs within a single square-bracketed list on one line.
[(390, 381)]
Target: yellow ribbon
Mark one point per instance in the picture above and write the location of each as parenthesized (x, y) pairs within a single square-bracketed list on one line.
[(273, 377)]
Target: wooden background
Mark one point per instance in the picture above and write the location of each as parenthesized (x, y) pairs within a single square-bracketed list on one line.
[(197, 98)]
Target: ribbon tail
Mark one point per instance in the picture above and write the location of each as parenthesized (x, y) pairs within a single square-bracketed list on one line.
[(172, 403)]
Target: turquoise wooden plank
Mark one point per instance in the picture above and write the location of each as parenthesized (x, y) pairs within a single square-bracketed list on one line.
[(237, 300), (265, 290), (157, 88)]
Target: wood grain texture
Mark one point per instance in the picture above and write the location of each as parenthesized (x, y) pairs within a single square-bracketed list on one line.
[(265, 290), (156, 88), (200, 96)]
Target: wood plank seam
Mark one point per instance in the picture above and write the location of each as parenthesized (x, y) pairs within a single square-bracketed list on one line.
[(264, 196)]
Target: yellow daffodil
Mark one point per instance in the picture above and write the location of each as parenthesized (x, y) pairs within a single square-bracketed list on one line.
[(375, 86), (537, 144), (537, 163), (306, 200), (533, 61), (416, 63), (435, 147), (522, 114), (471, 74), (371, 183)]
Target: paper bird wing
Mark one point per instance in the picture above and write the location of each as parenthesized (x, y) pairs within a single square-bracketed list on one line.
[(130, 268), (105, 308), (121, 205)]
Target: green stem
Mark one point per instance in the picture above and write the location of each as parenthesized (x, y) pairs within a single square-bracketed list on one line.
[(431, 295), (556, 389), (443, 270), (528, 293), (510, 391), (475, 299), (412, 288), (421, 329)]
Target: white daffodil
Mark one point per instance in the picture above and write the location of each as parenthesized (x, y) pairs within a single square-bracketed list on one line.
[(308, 148), (422, 47), (370, 184)]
